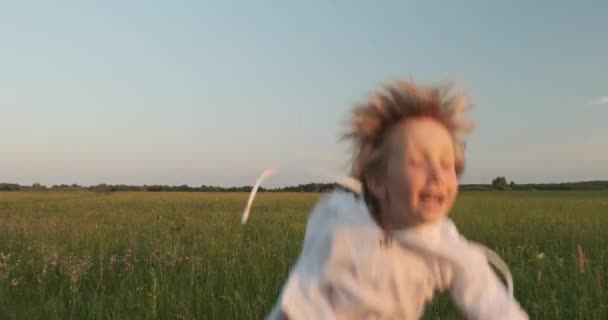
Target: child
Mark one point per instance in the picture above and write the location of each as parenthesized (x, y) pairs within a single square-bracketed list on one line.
[(381, 253)]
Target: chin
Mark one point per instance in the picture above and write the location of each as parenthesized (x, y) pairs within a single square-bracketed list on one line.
[(430, 217)]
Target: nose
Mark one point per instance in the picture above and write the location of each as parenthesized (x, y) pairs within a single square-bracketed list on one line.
[(435, 172)]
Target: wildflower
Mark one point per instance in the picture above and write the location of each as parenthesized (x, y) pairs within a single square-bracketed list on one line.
[(16, 281), (52, 259), (113, 262)]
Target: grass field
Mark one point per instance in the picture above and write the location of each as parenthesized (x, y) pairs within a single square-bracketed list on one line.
[(185, 255)]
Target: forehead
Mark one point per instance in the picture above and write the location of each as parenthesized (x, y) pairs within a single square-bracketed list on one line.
[(422, 134)]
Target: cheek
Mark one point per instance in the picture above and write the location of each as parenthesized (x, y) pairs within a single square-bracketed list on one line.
[(452, 186), (407, 182)]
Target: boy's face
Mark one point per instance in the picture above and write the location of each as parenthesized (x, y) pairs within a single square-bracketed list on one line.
[(421, 180)]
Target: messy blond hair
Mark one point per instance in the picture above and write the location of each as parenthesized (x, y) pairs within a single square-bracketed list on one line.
[(371, 122)]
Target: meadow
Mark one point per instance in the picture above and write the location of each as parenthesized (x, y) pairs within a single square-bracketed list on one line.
[(148, 255)]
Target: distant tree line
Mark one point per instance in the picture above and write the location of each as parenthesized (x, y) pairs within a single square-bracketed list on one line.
[(499, 183), (310, 187), (9, 187), (584, 185)]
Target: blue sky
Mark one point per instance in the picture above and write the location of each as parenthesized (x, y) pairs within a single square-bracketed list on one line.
[(197, 92)]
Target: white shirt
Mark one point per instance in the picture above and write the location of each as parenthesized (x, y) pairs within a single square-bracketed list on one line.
[(347, 270)]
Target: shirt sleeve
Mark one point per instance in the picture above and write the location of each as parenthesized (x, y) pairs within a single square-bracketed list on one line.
[(477, 290), (305, 294), (324, 283)]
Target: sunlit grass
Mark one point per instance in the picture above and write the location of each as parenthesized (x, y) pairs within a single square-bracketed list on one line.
[(185, 255)]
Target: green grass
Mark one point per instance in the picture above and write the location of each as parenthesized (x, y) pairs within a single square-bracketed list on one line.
[(185, 255)]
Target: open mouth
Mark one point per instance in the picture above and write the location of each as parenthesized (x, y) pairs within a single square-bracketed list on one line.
[(431, 199)]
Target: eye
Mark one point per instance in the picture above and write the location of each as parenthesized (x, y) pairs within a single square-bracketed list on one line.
[(415, 162)]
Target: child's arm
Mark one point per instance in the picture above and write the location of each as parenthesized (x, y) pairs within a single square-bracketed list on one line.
[(302, 295), (479, 293), (323, 284)]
